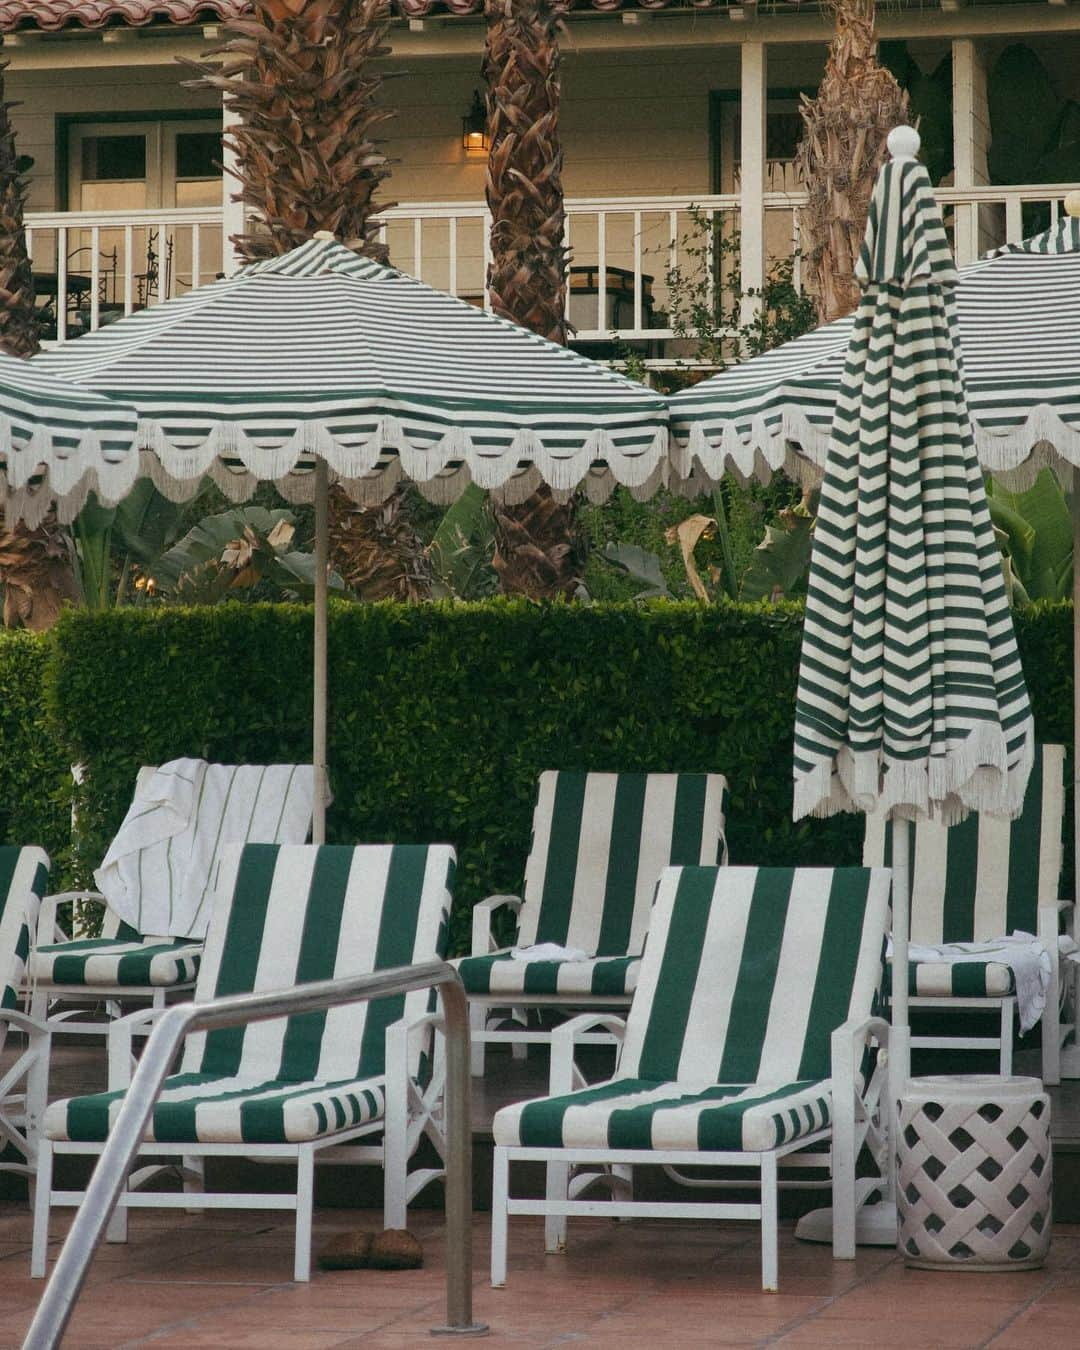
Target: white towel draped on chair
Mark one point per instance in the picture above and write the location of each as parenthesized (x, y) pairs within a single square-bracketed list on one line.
[(1023, 953), (157, 873)]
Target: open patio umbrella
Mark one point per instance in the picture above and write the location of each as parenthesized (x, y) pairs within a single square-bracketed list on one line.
[(911, 697), (320, 365), (1016, 319), (59, 442)]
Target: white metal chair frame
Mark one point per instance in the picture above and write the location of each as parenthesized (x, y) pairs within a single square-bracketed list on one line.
[(411, 1113), (482, 1012), (1059, 1020), (854, 1123)]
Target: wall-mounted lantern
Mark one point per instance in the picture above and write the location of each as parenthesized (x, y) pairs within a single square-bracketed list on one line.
[(474, 132)]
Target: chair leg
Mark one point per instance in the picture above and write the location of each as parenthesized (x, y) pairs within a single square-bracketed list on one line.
[(42, 1199), (477, 1027), (520, 1049), (193, 1171), (500, 1198), (770, 1263), (1007, 1006), (1051, 1031), (555, 1188), (305, 1200)]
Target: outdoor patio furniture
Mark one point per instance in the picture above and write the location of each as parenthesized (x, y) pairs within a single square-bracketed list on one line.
[(156, 883), (23, 1082), (599, 844), (974, 1169), (976, 882), (746, 1042), (289, 1088)]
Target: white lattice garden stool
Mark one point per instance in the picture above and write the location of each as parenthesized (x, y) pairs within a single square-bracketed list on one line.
[(974, 1173)]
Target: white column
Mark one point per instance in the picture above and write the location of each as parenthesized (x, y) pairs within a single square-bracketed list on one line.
[(753, 97), (232, 213), (971, 141)]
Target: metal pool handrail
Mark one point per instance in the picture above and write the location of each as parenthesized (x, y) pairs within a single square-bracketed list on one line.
[(58, 1301)]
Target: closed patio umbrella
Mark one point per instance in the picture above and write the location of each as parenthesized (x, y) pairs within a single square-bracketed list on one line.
[(319, 365), (911, 697), (58, 443)]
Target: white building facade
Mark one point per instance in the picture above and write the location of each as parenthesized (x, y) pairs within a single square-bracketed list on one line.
[(672, 113)]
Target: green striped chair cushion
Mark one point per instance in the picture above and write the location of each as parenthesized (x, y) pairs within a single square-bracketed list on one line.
[(198, 1108), (957, 979), (747, 973), (599, 844), (290, 914), (24, 875), (499, 973), (129, 962), (636, 1113), (987, 877)]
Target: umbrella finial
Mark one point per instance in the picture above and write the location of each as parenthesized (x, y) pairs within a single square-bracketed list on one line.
[(1072, 204), (324, 234), (903, 143)]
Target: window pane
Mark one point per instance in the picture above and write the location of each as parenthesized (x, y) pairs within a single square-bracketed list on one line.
[(198, 154), (113, 157)]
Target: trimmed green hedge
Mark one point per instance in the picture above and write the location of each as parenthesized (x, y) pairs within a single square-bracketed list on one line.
[(441, 716), (35, 775)]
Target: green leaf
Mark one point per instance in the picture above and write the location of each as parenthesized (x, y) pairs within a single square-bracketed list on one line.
[(780, 563)]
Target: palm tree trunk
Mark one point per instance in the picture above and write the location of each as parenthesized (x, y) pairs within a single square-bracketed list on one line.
[(303, 80), (536, 552), (843, 146)]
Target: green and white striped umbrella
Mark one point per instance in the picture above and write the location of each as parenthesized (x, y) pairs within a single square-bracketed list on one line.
[(323, 353), (1017, 326), (59, 442), (911, 696)]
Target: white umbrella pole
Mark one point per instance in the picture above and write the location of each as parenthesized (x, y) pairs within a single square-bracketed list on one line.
[(900, 1026), (322, 550)]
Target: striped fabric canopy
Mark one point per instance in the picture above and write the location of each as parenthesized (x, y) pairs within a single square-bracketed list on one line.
[(321, 352), (59, 442), (911, 693), (1020, 338)]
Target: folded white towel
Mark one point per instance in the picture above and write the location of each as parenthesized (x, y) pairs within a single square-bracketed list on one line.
[(159, 871), (548, 951), (1023, 953)]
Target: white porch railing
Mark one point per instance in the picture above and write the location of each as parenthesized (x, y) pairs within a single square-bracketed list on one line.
[(626, 253), (93, 266)]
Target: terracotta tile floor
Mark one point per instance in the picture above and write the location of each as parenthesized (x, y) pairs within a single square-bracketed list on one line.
[(222, 1281)]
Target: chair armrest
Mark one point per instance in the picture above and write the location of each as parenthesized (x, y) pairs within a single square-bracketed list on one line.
[(1050, 916), (47, 926), (481, 920), (849, 1039), (122, 1031), (34, 1030), (563, 1040)]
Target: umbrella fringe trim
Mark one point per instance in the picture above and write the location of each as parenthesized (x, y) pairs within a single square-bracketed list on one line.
[(37, 473), (975, 775), (788, 439), (441, 471)]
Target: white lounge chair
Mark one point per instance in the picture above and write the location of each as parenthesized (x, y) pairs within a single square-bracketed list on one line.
[(747, 1041), (24, 1083), (980, 881), (155, 884), (286, 1089), (599, 844)]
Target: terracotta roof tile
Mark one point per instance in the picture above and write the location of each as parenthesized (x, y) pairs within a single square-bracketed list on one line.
[(50, 15)]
